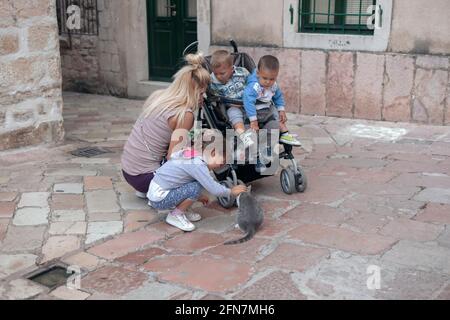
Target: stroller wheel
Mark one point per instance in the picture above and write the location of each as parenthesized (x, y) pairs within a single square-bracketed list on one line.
[(301, 180), (288, 181), (227, 202)]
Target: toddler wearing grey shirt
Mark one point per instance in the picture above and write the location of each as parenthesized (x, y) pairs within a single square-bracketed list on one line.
[(180, 182)]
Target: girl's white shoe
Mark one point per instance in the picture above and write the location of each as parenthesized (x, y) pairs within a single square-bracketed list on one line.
[(141, 195), (180, 221), (193, 217)]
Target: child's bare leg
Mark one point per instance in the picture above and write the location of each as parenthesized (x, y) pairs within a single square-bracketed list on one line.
[(187, 194), (283, 127), (185, 205), (239, 127), (245, 136), (236, 118)]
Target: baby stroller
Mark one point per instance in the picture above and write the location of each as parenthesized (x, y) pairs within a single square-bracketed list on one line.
[(213, 115)]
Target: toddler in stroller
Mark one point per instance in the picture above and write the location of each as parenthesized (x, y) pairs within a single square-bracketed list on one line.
[(228, 80)]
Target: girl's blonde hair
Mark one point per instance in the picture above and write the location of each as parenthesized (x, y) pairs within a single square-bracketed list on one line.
[(183, 93)]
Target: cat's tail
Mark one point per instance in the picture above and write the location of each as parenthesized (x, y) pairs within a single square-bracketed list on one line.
[(247, 237)]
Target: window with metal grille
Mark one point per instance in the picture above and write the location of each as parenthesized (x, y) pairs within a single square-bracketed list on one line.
[(77, 17), (336, 16)]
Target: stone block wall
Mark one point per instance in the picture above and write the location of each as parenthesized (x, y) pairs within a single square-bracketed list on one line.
[(30, 74), (374, 86), (93, 63)]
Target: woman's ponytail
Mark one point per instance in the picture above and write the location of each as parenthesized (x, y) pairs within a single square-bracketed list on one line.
[(184, 91), (195, 60), (198, 73)]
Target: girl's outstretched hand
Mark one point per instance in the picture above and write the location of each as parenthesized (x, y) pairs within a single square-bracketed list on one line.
[(237, 190), (203, 199)]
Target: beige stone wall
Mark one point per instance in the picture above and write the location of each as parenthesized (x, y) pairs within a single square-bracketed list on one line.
[(382, 86), (30, 75), (374, 86), (250, 22), (80, 64), (417, 26), (421, 27), (408, 83), (96, 64)]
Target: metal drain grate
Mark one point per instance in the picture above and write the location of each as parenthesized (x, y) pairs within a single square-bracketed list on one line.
[(90, 152), (51, 277)]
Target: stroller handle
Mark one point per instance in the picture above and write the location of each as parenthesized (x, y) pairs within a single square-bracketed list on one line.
[(234, 45), (189, 47)]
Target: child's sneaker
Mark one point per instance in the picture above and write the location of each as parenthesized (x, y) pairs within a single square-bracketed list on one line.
[(141, 195), (246, 138), (260, 167), (193, 217), (266, 157), (288, 138), (179, 220)]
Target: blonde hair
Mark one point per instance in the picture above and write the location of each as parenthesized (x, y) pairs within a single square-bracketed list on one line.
[(221, 57), (183, 93)]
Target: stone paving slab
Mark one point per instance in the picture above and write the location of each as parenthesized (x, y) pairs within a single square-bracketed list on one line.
[(20, 289), (67, 228), (434, 195), (31, 217), (153, 290), (113, 280), (444, 238), (10, 264), (278, 285), (65, 293), (34, 199), (378, 197), (23, 239), (68, 215), (7, 209), (423, 256), (100, 230), (196, 273), (101, 201), (410, 284), (58, 246), (83, 260), (3, 228), (68, 188)]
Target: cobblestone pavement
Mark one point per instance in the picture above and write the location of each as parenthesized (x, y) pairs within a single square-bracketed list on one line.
[(378, 200)]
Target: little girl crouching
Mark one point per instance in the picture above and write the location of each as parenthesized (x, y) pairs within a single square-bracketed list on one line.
[(180, 182)]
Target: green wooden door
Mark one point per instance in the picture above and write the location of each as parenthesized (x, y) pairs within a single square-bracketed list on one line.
[(172, 26)]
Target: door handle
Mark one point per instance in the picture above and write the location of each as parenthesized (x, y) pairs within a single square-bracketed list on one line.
[(291, 11), (173, 10), (378, 17), (375, 21)]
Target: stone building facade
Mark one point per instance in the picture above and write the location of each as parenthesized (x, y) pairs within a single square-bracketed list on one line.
[(114, 61), (30, 75), (91, 63), (401, 73)]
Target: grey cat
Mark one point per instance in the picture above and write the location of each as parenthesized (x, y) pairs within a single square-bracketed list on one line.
[(249, 218)]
